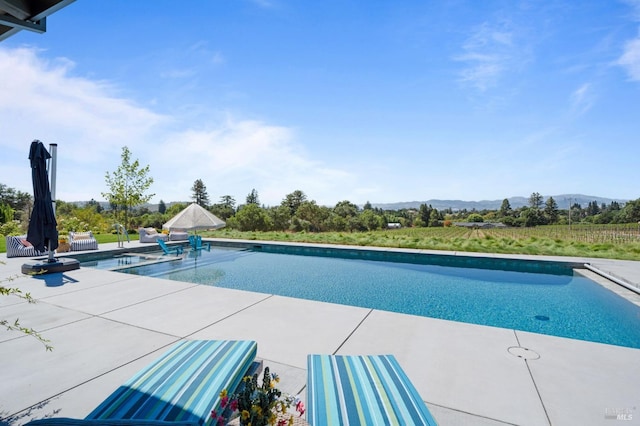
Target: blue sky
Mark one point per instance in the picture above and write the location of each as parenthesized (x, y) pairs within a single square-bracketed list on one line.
[(374, 101)]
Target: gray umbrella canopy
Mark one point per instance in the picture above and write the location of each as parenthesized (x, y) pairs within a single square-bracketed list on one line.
[(43, 232), (194, 217)]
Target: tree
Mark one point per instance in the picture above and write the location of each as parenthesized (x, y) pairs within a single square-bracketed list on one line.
[(252, 198), (228, 201), (370, 220), (162, 207), (424, 214), (19, 201), (367, 206), (280, 218), (251, 218), (551, 211), (313, 215), (593, 208), (475, 217), (293, 201), (576, 212), (95, 205), (6, 213), (505, 208), (434, 218), (127, 186), (631, 211), (345, 209), (535, 201), (531, 217), (223, 211), (199, 193), (175, 208)]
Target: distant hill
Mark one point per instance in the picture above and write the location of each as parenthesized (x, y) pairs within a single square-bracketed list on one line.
[(563, 200)]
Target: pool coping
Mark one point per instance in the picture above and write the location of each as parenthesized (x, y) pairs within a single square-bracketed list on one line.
[(465, 373)]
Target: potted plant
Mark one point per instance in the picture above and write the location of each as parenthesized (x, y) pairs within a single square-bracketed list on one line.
[(259, 405), (63, 244)]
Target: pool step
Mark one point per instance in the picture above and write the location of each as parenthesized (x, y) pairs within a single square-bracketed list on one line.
[(151, 260)]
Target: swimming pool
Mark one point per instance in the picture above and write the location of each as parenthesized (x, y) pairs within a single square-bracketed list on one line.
[(540, 297)]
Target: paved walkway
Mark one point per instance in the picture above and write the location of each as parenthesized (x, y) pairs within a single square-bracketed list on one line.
[(105, 326)]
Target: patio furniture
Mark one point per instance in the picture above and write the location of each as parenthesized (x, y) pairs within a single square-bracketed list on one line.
[(179, 388), (196, 243), (178, 235), (362, 390), (177, 250), (82, 241), (18, 246), (150, 235)]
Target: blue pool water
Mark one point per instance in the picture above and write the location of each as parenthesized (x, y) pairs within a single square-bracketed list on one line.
[(538, 297)]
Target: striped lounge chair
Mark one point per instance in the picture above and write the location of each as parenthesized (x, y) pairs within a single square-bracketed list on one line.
[(82, 241), (17, 246), (362, 390), (180, 388)]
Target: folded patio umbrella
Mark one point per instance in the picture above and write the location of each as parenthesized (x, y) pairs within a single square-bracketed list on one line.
[(43, 230)]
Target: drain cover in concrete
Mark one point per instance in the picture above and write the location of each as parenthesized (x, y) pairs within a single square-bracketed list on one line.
[(523, 353)]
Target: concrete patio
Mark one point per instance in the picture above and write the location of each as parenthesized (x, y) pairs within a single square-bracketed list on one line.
[(104, 326)]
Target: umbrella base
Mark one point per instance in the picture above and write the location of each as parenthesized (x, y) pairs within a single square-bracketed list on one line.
[(46, 267)]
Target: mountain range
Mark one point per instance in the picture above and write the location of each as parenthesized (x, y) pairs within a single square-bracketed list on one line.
[(563, 201)]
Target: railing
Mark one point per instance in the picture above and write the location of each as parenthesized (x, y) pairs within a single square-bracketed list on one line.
[(122, 234)]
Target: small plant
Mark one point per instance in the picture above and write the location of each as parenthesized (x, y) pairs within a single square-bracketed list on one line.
[(259, 405), (15, 325)]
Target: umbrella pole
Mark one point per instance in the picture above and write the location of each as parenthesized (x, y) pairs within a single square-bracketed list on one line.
[(53, 165)]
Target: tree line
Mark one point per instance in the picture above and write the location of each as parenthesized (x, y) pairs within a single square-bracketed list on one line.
[(128, 191)]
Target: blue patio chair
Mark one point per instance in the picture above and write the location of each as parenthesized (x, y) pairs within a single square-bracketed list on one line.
[(177, 250), (178, 389), (362, 390), (196, 243)]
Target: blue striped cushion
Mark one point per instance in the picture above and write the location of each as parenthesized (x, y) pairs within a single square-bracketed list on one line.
[(65, 421), (362, 390), (183, 385)]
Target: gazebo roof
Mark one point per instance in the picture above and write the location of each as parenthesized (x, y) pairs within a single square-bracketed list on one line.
[(30, 15)]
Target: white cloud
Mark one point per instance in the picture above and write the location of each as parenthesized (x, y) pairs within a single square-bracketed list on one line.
[(488, 53), (43, 99), (635, 8), (239, 155), (630, 59), (582, 99), (217, 58), (202, 50)]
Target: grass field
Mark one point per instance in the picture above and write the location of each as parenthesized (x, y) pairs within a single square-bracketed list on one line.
[(602, 241)]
